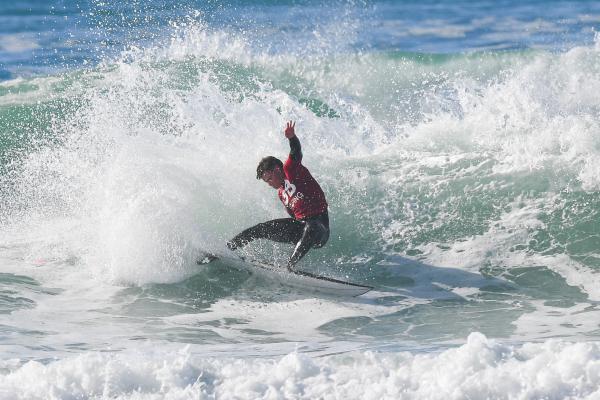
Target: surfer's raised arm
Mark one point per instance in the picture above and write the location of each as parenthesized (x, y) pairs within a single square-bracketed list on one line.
[(295, 148)]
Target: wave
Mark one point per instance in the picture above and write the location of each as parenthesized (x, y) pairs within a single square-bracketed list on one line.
[(147, 159), (553, 369)]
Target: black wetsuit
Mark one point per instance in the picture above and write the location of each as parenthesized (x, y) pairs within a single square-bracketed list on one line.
[(306, 198)]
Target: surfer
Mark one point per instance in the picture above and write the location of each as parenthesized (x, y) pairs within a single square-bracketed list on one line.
[(303, 198)]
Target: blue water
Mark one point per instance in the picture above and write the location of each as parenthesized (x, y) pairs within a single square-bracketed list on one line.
[(41, 37), (457, 144)]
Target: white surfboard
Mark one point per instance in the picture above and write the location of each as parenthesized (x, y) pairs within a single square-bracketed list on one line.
[(299, 279)]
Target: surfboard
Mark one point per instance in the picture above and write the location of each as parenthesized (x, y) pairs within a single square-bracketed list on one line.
[(296, 278)]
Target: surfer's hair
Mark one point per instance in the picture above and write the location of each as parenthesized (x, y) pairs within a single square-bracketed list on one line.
[(267, 164)]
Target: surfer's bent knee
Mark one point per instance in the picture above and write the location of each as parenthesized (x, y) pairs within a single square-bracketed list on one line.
[(321, 235), (318, 230)]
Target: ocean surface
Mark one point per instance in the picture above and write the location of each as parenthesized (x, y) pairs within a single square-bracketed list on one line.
[(457, 142)]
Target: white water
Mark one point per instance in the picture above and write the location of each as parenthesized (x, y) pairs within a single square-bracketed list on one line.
[(480, 368), (157, 166)]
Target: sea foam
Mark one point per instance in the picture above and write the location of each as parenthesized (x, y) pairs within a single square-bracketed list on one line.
[(480, 368)]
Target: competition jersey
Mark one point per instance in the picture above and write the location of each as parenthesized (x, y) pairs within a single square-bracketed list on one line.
[(301, 194)]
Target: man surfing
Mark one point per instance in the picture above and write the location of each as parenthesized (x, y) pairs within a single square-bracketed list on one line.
[(303, 199)]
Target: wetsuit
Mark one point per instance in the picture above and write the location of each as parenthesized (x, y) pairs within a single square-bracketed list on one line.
[(305, 201)]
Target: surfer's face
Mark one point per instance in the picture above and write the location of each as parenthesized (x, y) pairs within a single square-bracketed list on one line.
[(274, 178)]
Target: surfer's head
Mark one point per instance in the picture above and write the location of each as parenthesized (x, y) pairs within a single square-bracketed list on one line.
[(270, 170)]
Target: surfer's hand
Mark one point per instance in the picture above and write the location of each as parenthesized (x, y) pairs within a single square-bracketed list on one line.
[(289, 130)]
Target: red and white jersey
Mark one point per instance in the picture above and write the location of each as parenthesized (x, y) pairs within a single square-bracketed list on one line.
[(301, 193)]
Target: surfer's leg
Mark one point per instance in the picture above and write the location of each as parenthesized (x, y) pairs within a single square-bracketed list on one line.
[(284, 230), (321, 230), (315, 234)]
